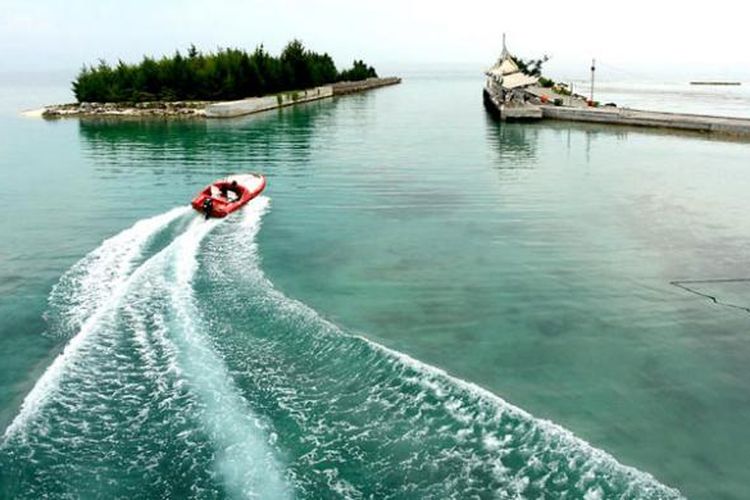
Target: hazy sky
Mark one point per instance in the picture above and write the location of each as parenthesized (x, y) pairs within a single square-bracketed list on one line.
[(630, 38)]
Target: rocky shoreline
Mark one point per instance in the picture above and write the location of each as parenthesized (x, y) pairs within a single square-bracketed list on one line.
[(197, 109), (178, 109)]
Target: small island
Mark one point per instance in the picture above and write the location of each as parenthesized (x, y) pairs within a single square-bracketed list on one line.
[(229, 82)]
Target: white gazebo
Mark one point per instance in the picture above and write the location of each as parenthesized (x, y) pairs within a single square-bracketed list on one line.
[(505, 74)]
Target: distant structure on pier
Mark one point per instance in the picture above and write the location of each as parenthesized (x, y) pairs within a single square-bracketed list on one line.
[(505, 89), (505, 76), (511, 94)]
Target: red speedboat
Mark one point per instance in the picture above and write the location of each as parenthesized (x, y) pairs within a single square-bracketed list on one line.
[(227, 195)]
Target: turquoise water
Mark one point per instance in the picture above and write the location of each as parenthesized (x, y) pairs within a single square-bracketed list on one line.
[(424, 304)]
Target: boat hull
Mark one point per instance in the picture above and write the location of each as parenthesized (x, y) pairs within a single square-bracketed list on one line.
[(213, 200)]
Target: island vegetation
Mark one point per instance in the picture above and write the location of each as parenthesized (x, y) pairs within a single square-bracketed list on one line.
[(227, 74), (532, 67)]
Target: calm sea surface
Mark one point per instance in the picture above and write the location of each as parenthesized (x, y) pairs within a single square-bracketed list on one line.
[(424, 304)]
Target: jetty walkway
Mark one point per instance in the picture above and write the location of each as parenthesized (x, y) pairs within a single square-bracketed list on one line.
[(641, 118)]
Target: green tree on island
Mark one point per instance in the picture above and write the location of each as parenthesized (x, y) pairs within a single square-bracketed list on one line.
[(531, 67), (224, 75)]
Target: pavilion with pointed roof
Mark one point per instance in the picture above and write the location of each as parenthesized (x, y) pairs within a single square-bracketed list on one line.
[(508, 90), (506, 73)]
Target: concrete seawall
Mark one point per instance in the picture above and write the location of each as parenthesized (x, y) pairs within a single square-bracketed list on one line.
[(231, 109), (640, 118), (341, 88)]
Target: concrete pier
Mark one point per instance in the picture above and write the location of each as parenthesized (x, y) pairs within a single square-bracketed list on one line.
[(341, 88), (231, 109), (511, 111), (640, 118)]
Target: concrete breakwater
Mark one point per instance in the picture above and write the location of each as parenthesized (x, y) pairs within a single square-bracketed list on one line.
[(611, 115), (715, 83), (657, 119), (209, 109), (241, 107), (341, 88), (256, 104)]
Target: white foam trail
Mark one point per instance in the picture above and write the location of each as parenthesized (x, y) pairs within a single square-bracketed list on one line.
[(83, 288), (433, 376), (110, 265), (442, 385), (245, 458)]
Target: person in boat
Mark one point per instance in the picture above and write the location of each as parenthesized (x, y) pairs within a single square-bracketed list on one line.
[(208, 205), (233, 188)]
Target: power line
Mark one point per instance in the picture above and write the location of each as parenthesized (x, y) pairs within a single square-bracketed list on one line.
[(683, 285)]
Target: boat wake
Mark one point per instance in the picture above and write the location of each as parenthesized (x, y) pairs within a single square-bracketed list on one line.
[(85, 298), (188, 373), (139, 388)]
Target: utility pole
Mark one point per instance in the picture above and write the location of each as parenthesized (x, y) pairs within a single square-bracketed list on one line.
[(570, 97), (593, 69)]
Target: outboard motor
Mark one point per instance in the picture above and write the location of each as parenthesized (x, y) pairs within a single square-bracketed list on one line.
[(208, 204)]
